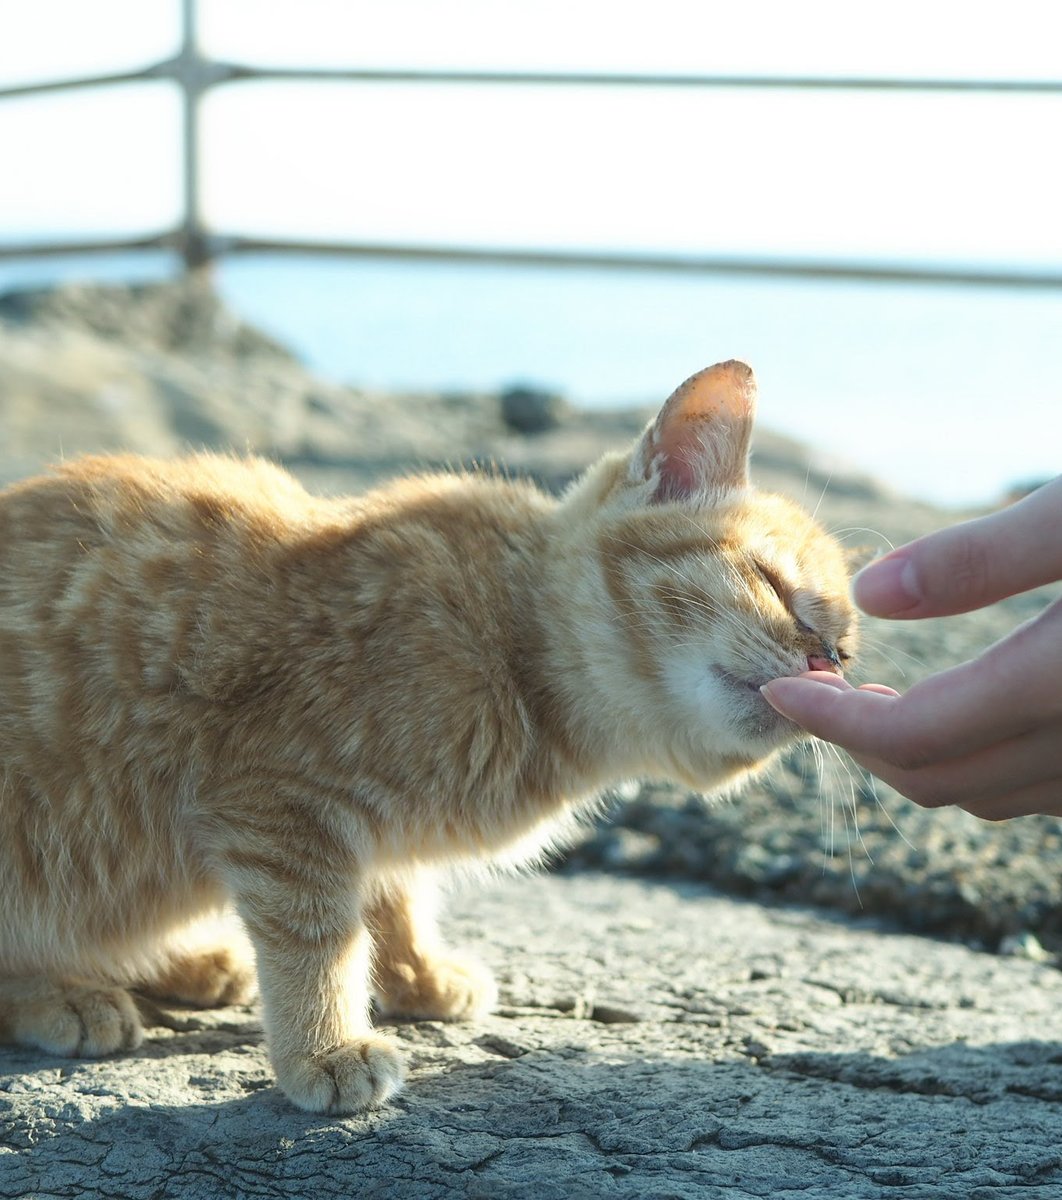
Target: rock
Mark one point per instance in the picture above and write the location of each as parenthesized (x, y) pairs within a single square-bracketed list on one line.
[(1024, 945), (186, 316), (531, 410)]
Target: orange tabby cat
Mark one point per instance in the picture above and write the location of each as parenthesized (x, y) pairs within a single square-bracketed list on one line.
[(217, 688)]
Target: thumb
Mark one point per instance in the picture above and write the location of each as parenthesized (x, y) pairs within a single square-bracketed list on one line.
[(971, 564)]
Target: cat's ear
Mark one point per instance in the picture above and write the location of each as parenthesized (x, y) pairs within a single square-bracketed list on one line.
[(700, 439)]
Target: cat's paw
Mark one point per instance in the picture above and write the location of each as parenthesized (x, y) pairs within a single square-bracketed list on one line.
[(205, 978), (441, 989), (78, 1020), (358, 1075)]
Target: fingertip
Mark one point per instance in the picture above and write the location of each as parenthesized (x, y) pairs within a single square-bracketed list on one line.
[(827, 705), (881, 689), (829, 678), (888, 587), (791, 694)]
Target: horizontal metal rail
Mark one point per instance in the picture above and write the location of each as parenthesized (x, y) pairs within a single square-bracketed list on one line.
[(219, 245), (197, 245), (216, 71)]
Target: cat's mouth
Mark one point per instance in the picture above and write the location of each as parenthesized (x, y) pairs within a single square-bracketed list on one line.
[(754, 685), (763, 725), (736, 681)]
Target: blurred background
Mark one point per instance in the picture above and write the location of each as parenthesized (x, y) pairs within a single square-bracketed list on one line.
[(592, 198)]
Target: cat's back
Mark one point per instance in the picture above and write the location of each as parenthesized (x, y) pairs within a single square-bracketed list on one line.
[(198, 577), (102, 527), (103, 564), (117, 497)]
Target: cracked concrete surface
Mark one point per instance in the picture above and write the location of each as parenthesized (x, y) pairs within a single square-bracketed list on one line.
[(653, 1040)]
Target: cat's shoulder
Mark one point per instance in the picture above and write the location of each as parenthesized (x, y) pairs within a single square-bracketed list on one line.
[(140, 474), (213, 484)]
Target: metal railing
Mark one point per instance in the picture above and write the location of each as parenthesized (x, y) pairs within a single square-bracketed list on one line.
[(197, 245)]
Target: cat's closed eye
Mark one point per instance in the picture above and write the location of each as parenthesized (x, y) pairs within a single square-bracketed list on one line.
[(775, 582)]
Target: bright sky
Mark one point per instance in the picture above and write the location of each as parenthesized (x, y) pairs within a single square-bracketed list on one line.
[(910, 176)]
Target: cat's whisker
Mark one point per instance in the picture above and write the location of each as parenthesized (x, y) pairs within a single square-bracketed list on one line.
[(851, 861), (842, 534), (701, 532), (711, 609), (844, 767), (870, 781), (816, 754), (825, 488), (643, 552), (886, 650), (827, 801)]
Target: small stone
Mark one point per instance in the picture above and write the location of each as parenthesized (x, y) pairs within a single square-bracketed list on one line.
[(1024, 945), (501, 1046), (754, 1048), (607, 1014), (530, 409), (627, 849)]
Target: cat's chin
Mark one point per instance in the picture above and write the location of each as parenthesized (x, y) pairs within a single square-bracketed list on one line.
[(756, 722)]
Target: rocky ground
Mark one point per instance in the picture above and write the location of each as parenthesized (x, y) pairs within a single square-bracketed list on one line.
[(656, 1041), (774, 1049)]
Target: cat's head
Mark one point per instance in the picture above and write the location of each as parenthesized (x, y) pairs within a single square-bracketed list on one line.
[(710, 588)]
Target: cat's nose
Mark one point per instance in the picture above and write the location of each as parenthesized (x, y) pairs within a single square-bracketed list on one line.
[(825, 662)]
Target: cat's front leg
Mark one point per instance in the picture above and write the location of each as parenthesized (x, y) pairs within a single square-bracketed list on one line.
[(414, 974), (312, 949)]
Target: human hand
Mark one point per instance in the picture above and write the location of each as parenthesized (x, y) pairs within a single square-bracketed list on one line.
[(985, 735)]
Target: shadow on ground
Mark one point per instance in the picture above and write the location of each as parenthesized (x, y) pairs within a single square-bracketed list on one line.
[(669, 1044), (957, 1120)]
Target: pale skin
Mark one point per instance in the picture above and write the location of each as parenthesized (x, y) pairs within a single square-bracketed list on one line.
[(986, 735)]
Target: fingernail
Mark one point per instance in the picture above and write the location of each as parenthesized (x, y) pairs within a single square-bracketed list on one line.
[(769, 691), (785, 692), (888, 587)]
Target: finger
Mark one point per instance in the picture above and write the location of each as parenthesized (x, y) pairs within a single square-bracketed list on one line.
[(850, 717), (971, 564), (1011, 689), (1044, 799), (980, 778), (830, 679), (838, 681)]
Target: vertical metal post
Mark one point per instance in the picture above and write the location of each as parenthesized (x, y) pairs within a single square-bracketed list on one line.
[(189, 74)]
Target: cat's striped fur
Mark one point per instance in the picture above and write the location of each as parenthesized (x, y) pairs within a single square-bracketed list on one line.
[(217, 688)]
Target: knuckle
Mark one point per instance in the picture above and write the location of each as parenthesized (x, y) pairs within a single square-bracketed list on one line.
[(966, 570)]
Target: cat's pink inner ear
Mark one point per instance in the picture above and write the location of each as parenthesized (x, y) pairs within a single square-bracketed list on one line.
[(701, 437)]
